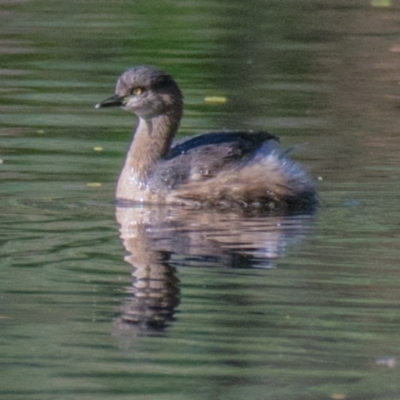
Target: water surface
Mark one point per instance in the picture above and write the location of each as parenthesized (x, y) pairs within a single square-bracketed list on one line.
[(149, 302)]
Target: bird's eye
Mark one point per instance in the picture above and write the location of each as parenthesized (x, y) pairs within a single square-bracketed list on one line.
[(137, 91)]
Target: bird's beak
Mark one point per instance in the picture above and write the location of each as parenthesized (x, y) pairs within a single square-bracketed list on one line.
[(114, 101)]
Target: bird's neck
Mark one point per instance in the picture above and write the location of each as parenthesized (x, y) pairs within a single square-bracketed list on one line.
[(151, 143)]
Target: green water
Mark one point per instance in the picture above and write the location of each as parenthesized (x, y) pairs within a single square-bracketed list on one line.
[(145, 303)]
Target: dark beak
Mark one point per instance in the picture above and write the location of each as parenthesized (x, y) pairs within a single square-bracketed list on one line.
[(114, 101)]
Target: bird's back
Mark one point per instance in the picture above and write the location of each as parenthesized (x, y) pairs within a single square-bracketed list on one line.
[(231, 169), (203, 156)]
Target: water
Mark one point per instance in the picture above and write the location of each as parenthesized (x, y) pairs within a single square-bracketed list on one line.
[(98, 302)]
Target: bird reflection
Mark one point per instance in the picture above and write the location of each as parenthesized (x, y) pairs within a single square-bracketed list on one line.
[(158, 239)]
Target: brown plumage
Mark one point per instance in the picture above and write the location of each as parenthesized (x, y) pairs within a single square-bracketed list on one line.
[(219, 169)]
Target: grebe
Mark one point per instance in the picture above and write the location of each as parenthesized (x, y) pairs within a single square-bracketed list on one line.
[(218, 169)]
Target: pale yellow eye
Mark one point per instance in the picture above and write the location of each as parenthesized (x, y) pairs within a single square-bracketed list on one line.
[(137, 91)]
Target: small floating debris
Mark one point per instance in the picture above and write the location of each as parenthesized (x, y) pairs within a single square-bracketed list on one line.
[(381, 3), (389, 362), (40, 132), (352, 203), (97, 148), (1, 161), (338, 396), (215, 99), (93, 184)]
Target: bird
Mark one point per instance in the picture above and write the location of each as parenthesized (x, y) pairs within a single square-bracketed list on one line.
[(222, 169)]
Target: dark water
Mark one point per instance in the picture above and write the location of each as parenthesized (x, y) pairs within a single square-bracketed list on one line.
[(145, 303)]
